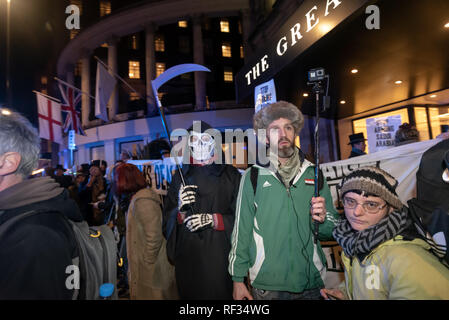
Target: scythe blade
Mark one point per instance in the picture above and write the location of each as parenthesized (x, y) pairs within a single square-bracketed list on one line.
[(157, 83), (174, 72)]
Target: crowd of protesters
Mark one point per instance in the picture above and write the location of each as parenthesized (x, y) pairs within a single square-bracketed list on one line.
[(217, 234)]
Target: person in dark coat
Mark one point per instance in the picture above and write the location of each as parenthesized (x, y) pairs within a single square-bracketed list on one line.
[(35, 251), (198, 220), (357, 141), (63, 180)]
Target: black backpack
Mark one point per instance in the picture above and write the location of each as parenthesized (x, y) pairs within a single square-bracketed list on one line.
[(98, 254), (430, 209)]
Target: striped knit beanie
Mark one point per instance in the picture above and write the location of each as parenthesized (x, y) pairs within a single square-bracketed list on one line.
[(372, 180)]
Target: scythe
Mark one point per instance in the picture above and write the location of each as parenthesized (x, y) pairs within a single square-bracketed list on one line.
[(158, 82)]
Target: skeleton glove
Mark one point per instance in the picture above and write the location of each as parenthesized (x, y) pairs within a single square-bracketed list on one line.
[(199, 221), (186, 197)]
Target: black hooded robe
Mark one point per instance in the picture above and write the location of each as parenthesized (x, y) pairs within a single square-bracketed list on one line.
[(201, 258)]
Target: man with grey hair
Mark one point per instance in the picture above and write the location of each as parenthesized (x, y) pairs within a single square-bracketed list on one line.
[(35, 250), (272, 240)]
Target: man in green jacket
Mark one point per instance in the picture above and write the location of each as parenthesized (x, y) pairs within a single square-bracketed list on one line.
[(272, 240)]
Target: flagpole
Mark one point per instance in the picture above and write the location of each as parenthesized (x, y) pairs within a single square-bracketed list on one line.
[(48, 97), (73, 87), (120, 78)]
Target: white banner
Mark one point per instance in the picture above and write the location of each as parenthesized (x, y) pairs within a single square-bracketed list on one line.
[(401, 162), (158, 173)]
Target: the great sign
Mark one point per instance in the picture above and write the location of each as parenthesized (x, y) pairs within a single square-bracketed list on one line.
[(308, 24)]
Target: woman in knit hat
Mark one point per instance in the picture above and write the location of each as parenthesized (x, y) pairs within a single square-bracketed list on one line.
[(383, 257)]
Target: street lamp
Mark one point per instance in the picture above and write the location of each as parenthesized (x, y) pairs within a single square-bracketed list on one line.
[(8, 38)]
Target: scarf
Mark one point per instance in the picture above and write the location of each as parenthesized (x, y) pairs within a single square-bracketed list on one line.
[(289, 170), (29, 191), (360, 243)]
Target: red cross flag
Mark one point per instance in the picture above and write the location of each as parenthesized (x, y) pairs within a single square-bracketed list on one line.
[(49, 114)]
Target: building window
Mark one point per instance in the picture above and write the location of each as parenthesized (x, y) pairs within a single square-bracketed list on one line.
[(360, 125), (73, 33), (421, 123), (160, 68), (242, 53), (134, 69), (105, 8), (240, 27), (224, 25), (134, 42), (44, 80), (159, 43), (184, 44), (226, 50), (228, 76), (439, 119), (133, 96), (78, 3), (182, 24), (97, 153)]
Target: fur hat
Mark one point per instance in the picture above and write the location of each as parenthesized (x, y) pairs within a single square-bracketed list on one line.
[(373, 181), (275, 111), (406, 134)]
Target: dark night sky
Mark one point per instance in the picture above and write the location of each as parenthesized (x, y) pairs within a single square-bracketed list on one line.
[(37, 35)]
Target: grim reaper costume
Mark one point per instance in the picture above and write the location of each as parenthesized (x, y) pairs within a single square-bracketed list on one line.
[(198, 220)]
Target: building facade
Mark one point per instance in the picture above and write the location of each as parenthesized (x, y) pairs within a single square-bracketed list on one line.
[(139, 41)]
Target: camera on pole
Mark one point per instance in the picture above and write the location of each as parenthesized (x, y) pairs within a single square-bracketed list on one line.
[(316, 77)]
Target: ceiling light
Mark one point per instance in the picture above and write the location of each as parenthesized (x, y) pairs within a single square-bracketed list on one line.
[(342, 102), (446, 25), (354, 71), (433, 96), (6, 112), (305, 94), (398, 82)]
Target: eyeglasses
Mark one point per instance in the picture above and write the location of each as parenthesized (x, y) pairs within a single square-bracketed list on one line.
[(368, 206)]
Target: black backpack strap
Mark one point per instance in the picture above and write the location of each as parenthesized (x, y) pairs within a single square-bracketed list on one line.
[(253, 177)]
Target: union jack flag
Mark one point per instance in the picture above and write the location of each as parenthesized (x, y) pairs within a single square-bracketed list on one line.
[(71, 99)]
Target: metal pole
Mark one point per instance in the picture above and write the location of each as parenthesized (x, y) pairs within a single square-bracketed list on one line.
[(8, 55), (317, 157)]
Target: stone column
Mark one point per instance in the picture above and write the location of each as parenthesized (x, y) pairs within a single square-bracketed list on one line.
[(198, 58), (113, 65), (85, 87), (150, 67)]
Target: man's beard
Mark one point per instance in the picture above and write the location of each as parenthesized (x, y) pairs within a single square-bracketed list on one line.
[(286, 151)]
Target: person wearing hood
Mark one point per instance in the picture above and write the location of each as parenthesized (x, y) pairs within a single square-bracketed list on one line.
[(198, 218), (35, 252), (383, 255)]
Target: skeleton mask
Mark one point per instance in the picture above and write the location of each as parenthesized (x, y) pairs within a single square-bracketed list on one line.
[(201, 145)]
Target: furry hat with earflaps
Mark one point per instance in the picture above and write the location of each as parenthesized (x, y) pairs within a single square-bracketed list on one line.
[(372, 181), (275, 111)]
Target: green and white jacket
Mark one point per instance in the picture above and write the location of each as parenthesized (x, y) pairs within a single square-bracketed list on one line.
[(273, 232)]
